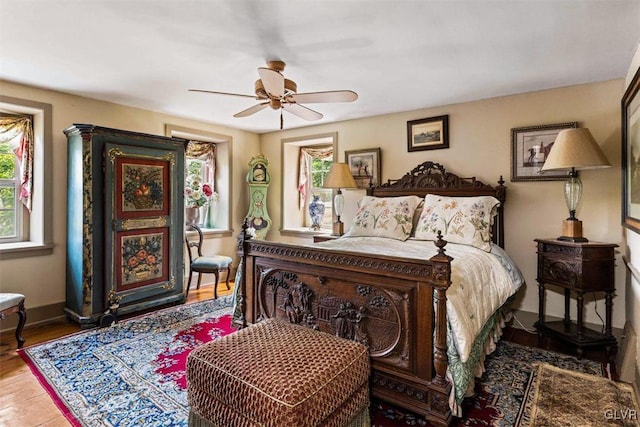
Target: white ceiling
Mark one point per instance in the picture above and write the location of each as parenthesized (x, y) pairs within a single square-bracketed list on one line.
[(398, 55)]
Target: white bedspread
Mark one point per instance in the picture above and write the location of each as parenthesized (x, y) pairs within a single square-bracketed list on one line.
[(481, 282)]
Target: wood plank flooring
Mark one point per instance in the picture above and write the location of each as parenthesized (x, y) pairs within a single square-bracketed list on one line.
[(25, 403)]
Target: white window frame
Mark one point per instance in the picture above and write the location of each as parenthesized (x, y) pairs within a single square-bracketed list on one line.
[(38, 226)]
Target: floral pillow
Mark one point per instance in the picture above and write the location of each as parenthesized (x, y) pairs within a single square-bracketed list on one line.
[(465, 220), (384, 217)]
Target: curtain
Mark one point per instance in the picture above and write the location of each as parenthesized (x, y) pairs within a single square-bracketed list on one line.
[(204, 151), (306, 155), (18, 131)]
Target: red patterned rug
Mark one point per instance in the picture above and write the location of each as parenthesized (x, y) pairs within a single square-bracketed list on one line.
[(133, 373)]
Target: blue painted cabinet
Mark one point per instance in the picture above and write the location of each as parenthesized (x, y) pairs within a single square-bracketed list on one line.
[(125, 222)]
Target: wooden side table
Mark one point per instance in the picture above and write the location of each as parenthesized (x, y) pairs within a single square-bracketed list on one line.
[(578, 268)]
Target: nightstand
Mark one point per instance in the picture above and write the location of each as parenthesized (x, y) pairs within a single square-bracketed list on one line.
[(323, 237), (577, 268)]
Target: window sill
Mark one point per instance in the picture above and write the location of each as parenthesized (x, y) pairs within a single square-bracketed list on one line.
[(214, 232), (25, 250), (304, 232)]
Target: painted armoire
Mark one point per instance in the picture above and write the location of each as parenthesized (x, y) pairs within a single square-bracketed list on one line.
[(125, 222)]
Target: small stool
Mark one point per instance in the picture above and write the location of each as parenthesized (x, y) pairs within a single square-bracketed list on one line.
[(277, 374), (14, 303)]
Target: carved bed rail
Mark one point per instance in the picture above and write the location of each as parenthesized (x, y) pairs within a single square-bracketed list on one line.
[(394, 306)]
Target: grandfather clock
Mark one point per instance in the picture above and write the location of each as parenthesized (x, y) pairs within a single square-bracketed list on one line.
[(258, 179)]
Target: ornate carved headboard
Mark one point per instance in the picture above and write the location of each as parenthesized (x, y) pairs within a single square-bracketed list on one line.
[(432, 178)]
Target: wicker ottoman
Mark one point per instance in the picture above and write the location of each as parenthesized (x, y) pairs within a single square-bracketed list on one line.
[(278, 374)]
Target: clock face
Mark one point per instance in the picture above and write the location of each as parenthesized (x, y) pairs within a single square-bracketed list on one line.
[(258, 174)]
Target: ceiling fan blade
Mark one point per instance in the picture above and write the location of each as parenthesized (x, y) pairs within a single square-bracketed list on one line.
[(272, 81), (223, 93), (302, 111), (328, 96), (252, 110)]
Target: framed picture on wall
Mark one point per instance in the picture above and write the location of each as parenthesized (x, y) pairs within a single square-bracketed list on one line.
[(631, 155), (428, 134), (364, 166), (530, 147)]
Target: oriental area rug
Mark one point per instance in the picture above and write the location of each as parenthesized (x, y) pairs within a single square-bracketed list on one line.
[(561, 397), (134, 372)]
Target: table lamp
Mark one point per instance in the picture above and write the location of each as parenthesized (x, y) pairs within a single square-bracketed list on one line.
[(574, 149), (339, 176)]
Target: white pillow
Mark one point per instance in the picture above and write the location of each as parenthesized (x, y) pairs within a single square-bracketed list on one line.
[(384, 217), (465, 220)]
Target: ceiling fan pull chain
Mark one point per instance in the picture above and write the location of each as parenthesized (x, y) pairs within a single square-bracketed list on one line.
[(281, 120)]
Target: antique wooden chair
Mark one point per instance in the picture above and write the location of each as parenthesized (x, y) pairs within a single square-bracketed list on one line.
[(14, 303), (204, 264)]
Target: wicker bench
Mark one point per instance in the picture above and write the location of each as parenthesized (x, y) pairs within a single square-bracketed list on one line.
[(275, 373)]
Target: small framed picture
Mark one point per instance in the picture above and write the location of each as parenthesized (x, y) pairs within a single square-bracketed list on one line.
[(364, 166), (530, 147), (428, 134)]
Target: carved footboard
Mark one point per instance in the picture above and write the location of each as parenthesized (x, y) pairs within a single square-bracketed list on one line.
[(394, 306)]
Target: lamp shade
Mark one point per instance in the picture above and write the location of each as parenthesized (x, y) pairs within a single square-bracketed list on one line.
[(575, 148), (339, 176)]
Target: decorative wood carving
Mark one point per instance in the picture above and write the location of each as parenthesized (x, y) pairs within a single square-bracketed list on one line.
[(354, 313)]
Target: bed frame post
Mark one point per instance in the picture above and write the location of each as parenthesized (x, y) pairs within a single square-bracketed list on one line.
[(442, 281), (240, 317)]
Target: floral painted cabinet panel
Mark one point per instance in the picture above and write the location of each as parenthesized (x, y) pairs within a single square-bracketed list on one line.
[(125, 233)]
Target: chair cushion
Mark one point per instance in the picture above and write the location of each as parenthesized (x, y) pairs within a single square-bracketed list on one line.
[(216, 261), (275, 373), (10, 300)]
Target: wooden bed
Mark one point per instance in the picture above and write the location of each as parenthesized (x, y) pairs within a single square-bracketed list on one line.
[(396, 306)]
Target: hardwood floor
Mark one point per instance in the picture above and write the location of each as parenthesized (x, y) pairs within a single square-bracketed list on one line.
[(25, 403)]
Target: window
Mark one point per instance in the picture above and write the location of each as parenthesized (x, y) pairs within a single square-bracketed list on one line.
[(24, 232), (318, 170), (208, 161), (10, 207), (306, 162), (199, 180)]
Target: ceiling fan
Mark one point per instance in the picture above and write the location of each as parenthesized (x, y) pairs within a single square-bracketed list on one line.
[(279, 93)]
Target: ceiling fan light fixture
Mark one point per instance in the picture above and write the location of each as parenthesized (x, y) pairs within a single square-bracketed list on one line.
[(275, 104)]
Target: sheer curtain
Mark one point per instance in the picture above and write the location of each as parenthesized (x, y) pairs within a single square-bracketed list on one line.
[(18, 131), (306, 155)]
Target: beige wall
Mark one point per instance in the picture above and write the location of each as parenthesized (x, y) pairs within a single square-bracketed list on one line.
[(42, 279), (480, 145), (632, 250)]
